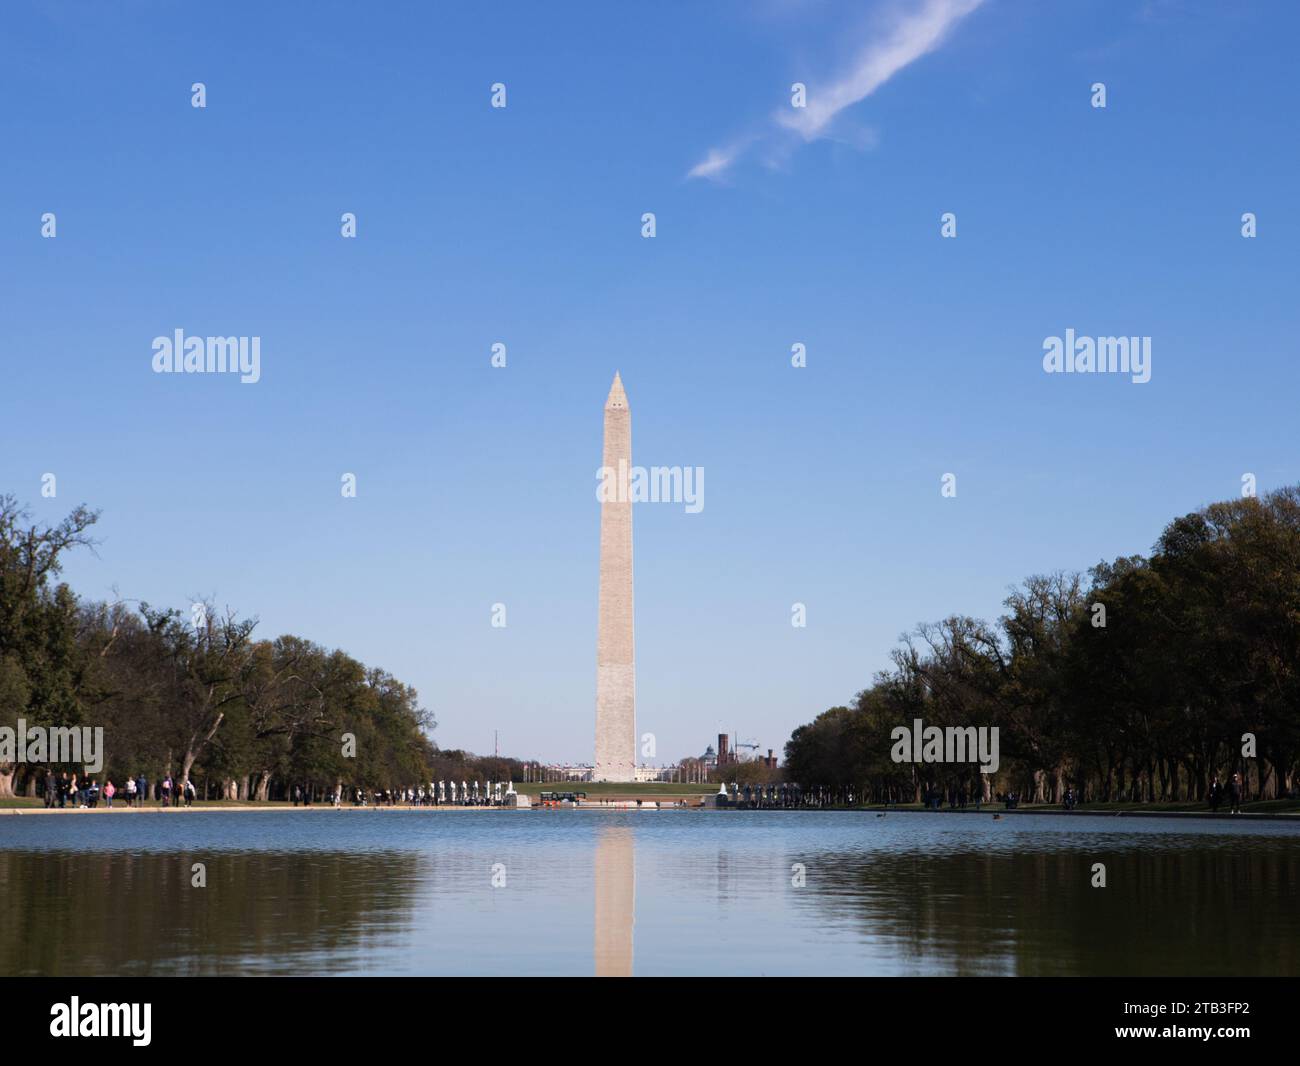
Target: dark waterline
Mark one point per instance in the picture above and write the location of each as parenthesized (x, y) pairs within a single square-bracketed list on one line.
[(647, 893)]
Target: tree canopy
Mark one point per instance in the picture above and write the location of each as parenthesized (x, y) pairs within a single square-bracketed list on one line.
[(195, 693), (1138, 681)]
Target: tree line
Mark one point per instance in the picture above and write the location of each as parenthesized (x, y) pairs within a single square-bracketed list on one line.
[(1139, 681), (195, 694)]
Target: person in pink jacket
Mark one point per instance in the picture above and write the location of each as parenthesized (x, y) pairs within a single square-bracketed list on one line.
[(109, 793)]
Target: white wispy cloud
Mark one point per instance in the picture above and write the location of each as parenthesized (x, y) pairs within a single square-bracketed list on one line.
[(715, 163), (914, 32)]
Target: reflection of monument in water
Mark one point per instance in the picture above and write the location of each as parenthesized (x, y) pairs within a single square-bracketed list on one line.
[(615, 901), (615, 657)]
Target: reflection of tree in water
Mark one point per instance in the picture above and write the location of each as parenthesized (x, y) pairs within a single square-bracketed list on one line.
[(261, 912), (615, 900), (1206, 910)]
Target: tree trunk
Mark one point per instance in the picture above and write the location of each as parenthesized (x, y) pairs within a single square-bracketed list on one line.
[(7, 780), (186, 763), (194, 749)]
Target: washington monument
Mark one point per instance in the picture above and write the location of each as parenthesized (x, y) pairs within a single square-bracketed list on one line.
[(615, 656)]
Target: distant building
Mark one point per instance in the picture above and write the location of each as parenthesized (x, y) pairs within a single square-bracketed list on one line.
[(567, 772), (657, 773), (581, 772), (729, 755)]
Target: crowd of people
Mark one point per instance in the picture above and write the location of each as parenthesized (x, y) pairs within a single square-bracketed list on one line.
[(65, 789)]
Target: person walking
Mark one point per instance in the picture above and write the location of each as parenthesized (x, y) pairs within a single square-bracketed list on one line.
[(1215, 795), (109, 792), (142, 789), (189, 792), (130, 791), (1234, 794)]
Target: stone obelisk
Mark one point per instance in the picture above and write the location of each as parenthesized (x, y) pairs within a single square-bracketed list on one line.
[(615, 657)]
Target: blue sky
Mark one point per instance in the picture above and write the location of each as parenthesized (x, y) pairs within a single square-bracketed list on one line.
[(522, 225)]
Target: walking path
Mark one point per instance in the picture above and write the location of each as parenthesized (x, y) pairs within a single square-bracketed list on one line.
[(231, 809)]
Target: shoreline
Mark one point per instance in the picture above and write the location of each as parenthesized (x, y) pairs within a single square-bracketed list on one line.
[(233, 809), (1259, 816), (1262, 816)]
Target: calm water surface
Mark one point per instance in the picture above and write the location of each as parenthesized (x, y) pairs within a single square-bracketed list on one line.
[(669, 892)]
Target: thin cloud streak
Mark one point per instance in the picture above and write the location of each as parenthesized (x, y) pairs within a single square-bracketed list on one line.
[(911, 36), (715, 163)]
